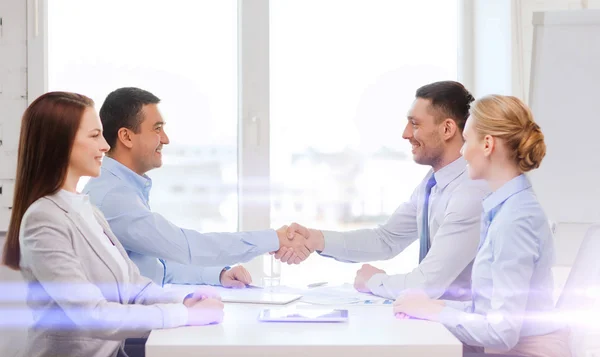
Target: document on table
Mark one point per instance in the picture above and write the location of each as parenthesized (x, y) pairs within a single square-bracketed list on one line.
[(341, 295), (250, 295), (323, 295)]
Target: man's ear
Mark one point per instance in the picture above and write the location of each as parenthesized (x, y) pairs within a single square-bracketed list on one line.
[(449, 129), (124, 136)]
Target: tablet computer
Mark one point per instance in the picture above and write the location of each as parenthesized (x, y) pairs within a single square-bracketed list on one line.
[(303, 315)]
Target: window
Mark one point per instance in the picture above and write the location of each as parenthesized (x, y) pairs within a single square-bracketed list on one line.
[(185, 52), (343, 76)]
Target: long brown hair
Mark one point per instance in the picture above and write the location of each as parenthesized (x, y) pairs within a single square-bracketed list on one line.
[(48, 129)]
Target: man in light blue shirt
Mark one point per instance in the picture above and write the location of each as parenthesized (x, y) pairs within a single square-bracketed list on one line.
[(164, 252)]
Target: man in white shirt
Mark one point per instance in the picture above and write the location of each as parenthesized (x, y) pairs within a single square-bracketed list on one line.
[(443, 212)]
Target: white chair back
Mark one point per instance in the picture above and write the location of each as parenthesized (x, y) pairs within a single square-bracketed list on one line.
[(578, 302), (583, 283)]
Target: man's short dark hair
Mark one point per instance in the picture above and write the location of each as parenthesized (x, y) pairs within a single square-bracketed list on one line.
[(449, 99), (123, 109)]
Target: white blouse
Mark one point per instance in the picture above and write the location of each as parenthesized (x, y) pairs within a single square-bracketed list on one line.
[(81, 204)]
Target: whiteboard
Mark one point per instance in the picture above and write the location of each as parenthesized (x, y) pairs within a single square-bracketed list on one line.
[(565, 100)]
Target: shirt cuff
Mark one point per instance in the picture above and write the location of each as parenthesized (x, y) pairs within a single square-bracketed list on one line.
[(450, 317), (334, 244), (212, 275), (265, 241), (177, 296), (459, 305), (174, 315), (375, 284)]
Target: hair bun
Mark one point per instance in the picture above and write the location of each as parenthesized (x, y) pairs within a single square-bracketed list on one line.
[(532, 148)]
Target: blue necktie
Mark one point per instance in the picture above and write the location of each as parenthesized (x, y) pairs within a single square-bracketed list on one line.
[(425, 222)]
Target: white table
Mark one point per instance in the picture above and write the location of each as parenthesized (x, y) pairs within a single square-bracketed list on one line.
[(371, 331)]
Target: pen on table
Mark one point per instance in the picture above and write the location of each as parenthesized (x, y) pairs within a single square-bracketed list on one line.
[(314, 285)]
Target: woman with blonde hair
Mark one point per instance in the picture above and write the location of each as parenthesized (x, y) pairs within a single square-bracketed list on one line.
[(85, 293), (512, 309)]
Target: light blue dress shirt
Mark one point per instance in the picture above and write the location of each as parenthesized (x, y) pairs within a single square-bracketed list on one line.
[(162, 251), (512, 278)]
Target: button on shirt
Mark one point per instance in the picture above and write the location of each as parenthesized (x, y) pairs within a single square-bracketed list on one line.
[(454, 223), (512, 276), (163, 251)]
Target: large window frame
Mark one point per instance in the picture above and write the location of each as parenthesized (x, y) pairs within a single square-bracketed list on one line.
[(253, 100)]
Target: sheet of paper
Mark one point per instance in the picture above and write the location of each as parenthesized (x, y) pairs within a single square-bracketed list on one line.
[(341, 295), (247, 295), (323, 295)]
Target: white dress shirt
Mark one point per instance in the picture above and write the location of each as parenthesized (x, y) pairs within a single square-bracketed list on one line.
[(81, 204), (454, 223)]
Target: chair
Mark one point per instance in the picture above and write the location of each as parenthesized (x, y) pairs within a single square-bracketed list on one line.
[(581, 292), (134, 347)]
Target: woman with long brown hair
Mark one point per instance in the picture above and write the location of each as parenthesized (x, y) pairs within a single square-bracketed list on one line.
[(86, 295)]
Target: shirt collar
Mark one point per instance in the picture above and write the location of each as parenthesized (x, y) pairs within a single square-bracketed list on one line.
[(76, 200), (139, 182), (448, 173), (512, 187)]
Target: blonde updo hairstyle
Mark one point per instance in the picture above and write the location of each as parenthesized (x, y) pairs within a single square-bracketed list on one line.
[(509, 119)]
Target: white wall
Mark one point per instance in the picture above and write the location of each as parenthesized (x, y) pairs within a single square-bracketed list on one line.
[(13, 101), (502, 42), (492, 47), (13, 95), (525, 14), (569, 234), (502, 47)]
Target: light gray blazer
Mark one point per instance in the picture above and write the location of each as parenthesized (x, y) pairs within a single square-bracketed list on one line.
[(81, 305)]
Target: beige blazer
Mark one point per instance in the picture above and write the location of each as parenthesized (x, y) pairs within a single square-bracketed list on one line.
[(76, 289)]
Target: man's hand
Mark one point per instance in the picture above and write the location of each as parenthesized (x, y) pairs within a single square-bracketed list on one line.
[(237, 277), (315, 238), (313, 241), (363, 275), (291, 250)]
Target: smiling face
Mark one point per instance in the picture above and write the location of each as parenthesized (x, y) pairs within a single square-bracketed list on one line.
[(424, 133), (89, 146), (147, 144)]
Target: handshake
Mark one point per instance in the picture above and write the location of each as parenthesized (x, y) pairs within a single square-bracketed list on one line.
[(296, 242)]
